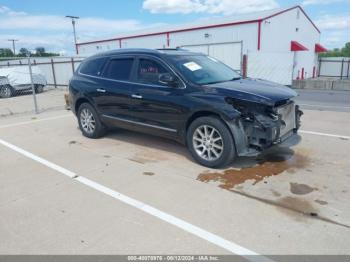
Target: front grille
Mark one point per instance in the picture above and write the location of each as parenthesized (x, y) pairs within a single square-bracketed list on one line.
[(287, 114)]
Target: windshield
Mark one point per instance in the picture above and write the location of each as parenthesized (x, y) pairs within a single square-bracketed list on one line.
[(203, 70)]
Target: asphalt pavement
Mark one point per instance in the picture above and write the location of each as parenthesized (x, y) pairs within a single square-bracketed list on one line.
[(324, 100)]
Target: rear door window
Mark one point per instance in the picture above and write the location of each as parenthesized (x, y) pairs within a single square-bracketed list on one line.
[(92, 67), (119, 69)]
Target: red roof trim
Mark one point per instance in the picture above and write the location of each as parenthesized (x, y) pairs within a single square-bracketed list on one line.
[(302, 10), (173, 31), (296, 46), (294, 7), (200, 27), (320, 49)]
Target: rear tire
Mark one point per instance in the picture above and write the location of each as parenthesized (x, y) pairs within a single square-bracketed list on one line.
[(210, 142), (6, 91), (89, 122)]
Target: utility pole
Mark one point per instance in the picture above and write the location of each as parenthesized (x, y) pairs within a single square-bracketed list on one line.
[(13, 45), (73, 18)]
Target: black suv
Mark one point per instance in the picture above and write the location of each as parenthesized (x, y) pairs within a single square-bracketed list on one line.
[(185, 96)]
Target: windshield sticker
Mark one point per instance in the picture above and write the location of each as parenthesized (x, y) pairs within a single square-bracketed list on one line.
[(192, 66)]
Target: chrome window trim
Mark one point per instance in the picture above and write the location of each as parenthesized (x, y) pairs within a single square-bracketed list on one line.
[(137, 83), (104, 78), (140, 123)]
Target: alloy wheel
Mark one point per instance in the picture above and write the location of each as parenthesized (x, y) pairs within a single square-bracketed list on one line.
[(87, 121), (5, 92), (208, 143)]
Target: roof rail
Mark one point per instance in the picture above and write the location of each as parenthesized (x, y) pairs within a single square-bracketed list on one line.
[(170, 49)]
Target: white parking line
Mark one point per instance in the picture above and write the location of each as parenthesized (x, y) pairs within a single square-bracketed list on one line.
[(35, 121), (325, 106), (323, 134), (188, 227), (39, 159)]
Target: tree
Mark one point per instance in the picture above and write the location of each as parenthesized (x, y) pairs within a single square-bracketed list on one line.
[(23, 52), (6, 52), (40, 51), (346, 50), (50, 54), (337, 52)]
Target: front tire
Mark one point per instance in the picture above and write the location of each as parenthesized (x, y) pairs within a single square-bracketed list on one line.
[(6, 91), (210, 142), (89, 122)]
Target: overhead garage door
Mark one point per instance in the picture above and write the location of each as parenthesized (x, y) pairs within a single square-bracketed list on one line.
[(228, 53)]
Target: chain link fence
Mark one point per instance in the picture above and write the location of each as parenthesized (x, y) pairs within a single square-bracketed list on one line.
[(334, 67), (35, 84)]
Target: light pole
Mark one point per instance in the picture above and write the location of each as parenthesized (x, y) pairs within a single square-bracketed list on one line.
[(13, 45), (73, 18)]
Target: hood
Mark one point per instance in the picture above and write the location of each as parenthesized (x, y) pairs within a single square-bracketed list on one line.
[(255, 90)]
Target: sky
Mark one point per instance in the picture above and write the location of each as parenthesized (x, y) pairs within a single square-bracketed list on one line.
[(42, 23)]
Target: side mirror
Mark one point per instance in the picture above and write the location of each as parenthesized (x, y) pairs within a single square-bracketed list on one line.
[(167, 79)]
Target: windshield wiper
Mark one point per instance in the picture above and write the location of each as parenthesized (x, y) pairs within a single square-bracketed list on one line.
[(223, 81), (215, 82)]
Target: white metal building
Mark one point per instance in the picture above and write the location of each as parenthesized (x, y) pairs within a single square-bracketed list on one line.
[(280, 44)]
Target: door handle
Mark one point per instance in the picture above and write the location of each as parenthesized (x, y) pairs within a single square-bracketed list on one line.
[(101, 90), (136, 96)]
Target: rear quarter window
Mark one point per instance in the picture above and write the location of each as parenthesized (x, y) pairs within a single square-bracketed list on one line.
[(92, 67)]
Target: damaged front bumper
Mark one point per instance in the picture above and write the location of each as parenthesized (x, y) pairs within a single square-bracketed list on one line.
[(258, 131)]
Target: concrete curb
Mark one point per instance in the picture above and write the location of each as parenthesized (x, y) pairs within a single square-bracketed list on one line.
[(322, 84)]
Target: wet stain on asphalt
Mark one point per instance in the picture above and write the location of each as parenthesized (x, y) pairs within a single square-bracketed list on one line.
[(275, 193), (146, 156), (73, 142), (321, 202), (137, 160), (269, 165), (148, 173), (298, 204), (301, 189)]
